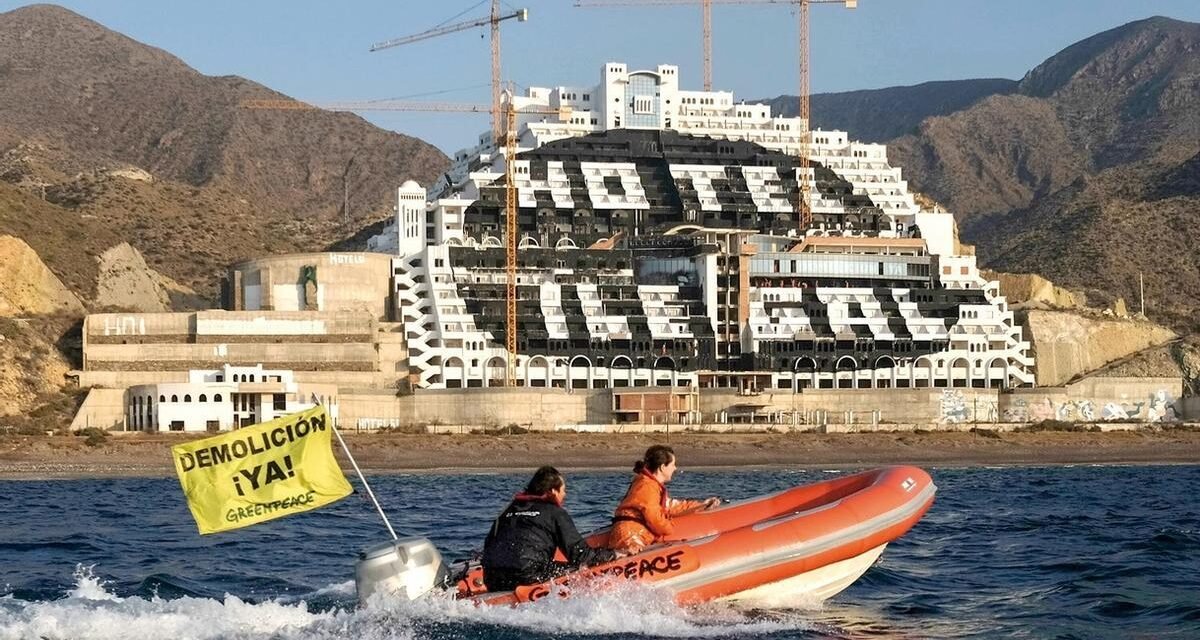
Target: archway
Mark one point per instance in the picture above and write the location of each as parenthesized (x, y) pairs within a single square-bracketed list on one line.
[(453, 373), (997, 373), (537, 372), (846, 372), (579, 373), (959, 366), (495, 371)]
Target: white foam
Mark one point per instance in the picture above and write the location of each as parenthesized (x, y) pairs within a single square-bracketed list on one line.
[(602, 609), (90, 612)]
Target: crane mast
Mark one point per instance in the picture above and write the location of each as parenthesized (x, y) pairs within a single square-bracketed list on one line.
[(503, 123)]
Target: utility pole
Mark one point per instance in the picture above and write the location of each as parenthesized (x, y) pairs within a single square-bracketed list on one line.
[(346, 192), (1142, 292)]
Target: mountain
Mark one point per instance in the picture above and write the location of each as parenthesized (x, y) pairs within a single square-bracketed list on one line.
[(103, 128), (1128, 94), (1086, 171), (1103, 232), (876, 115)]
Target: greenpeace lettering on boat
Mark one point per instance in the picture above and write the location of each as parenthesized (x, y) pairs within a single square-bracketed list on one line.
[(663, 564), (261, 472)]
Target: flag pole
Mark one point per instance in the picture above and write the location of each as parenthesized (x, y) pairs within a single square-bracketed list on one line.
[(370, 493)]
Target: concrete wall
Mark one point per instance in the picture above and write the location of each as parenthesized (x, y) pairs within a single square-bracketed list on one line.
[(343, 379), (1067, 344), (102, 408), (1098, 400), (228, 326), (1190, 408), (181, 357), (345, 282), (177, 342), (481, 407)]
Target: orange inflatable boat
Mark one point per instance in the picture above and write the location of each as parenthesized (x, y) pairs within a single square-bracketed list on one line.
[(808, 542), (800, 545)]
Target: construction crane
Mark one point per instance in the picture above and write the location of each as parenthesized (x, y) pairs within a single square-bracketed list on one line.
[(805, 111), (510, 191), (494, 20)]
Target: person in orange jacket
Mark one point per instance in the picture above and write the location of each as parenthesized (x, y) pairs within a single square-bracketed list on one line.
[(644, 514)]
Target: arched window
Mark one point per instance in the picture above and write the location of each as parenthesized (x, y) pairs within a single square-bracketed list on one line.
[(252, 377), (162, 398), (216, 397), (187, 397), (203, 398), (174, 398)]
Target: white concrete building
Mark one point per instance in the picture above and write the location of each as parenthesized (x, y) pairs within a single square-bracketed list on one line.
[(221, 400), (662, 242)]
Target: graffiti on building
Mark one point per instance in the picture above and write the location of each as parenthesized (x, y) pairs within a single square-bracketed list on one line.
[(1042, 410), (954, 406), (1017, 412), (124, 326), (1115, 411), (1086, 409), (1162, 407), (1159, 406), (375, 424)]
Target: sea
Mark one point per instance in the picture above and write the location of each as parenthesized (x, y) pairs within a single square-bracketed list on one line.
[(1013, 552)]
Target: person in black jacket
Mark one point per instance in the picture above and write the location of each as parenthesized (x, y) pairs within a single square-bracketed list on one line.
[(519, 549)]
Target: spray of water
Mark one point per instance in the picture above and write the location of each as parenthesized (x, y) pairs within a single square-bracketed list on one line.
[(89, 611)]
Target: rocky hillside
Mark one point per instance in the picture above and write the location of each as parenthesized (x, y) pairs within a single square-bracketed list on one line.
[(1086, 171), (95, 126), (1104, 230), (875, 115)]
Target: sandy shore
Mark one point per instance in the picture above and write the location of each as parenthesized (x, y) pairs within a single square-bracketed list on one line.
[(28, 457)]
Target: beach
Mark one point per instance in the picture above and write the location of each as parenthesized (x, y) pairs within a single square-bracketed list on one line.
[(148, 455)]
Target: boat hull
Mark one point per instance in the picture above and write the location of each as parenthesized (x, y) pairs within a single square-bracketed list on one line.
[(796, 546)]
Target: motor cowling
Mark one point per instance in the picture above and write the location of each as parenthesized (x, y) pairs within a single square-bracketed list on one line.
[(407, 568)]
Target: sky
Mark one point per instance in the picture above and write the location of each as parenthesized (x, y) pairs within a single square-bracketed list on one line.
[(318, 50)]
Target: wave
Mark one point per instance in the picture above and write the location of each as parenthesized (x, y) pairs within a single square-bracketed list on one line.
[(90, 611)]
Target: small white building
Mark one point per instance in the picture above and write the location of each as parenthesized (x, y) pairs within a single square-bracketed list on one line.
[(222, 399)]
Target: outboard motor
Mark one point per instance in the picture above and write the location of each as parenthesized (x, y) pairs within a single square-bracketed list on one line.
[(407, 568)]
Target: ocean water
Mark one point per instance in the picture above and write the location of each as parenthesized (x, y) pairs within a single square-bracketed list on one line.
[(1054, 552)]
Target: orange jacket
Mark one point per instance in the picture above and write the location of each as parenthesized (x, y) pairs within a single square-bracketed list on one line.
[(644, 515)]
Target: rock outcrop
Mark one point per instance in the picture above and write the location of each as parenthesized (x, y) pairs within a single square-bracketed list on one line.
[(1066, 345), (125, 281), (1031, 291), (27, 286)]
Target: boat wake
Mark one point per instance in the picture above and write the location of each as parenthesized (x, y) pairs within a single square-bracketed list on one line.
[(90, 611)]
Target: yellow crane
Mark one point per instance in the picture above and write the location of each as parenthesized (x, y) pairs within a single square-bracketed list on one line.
[(494, 21), (509, 112), (805, 111)]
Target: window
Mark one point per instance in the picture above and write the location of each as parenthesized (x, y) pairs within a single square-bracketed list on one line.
[(217, 397), (643, 105), (212, 426), (203, 398), (279, 402), (187, 397), (162, 398), (174, 398)]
